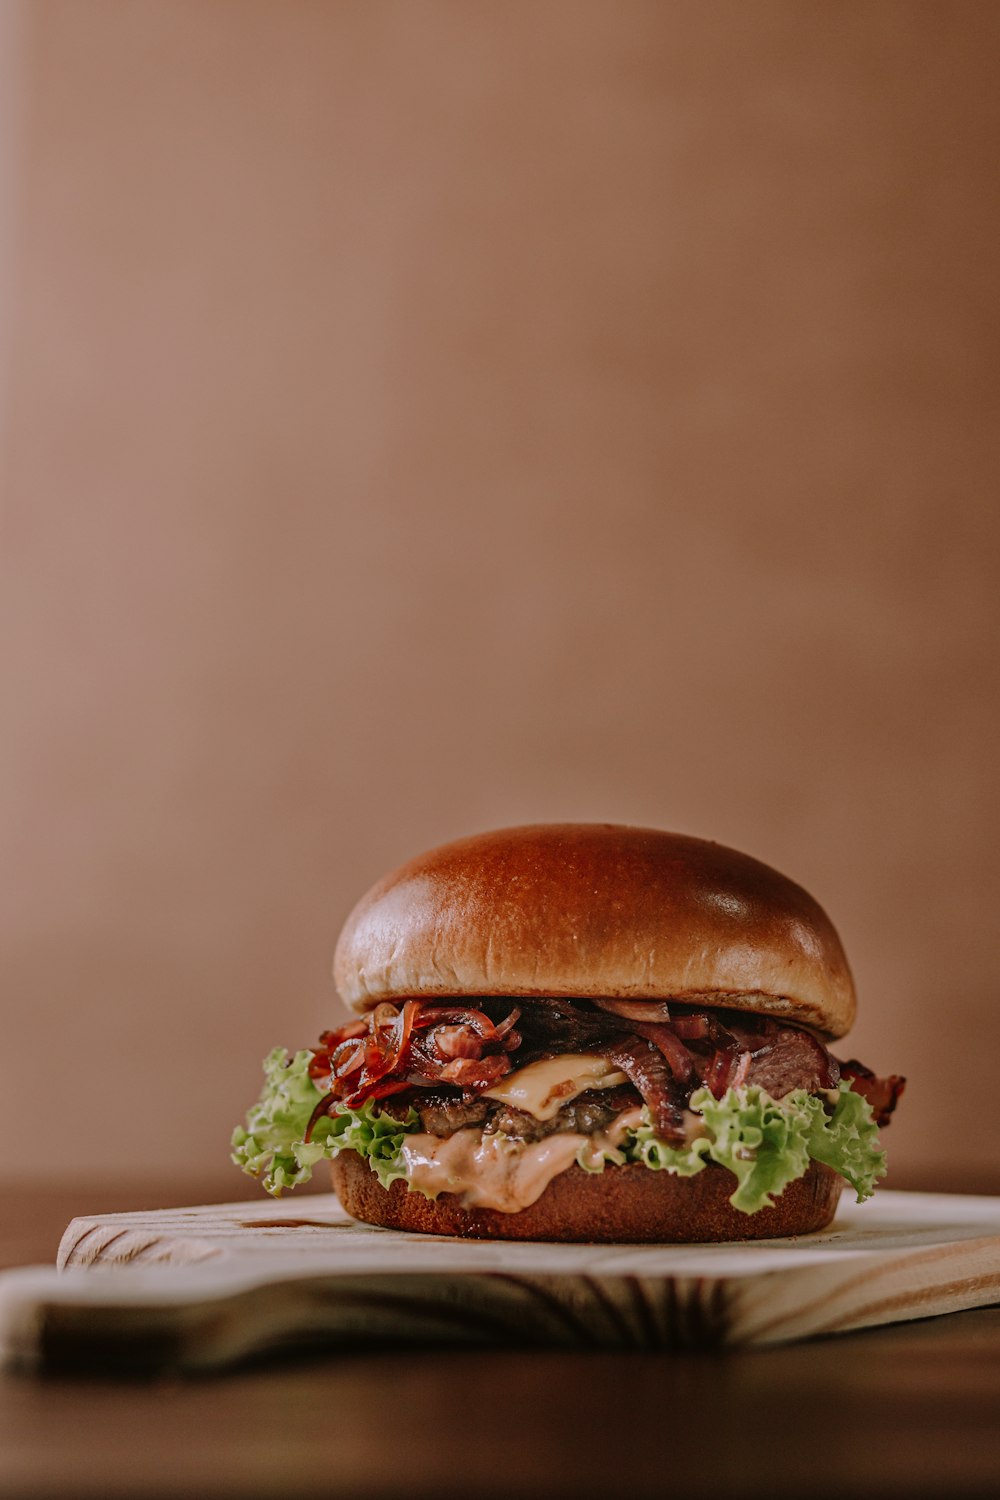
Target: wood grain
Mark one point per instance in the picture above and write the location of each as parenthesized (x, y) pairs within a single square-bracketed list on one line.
[(900, 1411), (204, 1288)]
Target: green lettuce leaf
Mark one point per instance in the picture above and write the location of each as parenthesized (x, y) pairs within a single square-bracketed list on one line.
[(271, 1144), (767, 1143), (594, 1158), (848, 1142), (266, 1146), (378, 1138)]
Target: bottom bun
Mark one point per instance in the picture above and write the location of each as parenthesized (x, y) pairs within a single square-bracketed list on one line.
[(629, 1204)]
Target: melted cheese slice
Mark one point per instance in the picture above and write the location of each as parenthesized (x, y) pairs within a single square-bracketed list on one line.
[(542, 1088)]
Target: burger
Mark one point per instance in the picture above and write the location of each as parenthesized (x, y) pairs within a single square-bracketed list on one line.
[(581, 1032)]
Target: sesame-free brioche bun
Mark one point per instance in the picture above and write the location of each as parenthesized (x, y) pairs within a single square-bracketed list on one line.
[(587, 911), (628, 1204)]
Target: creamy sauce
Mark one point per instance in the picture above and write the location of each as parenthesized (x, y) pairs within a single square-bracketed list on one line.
[(694, 1126), (491, 1171), (612, 1138), (542, 1088), (495, 1171)]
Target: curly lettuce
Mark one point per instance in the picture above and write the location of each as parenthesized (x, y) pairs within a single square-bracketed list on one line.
[(848, 1142), (272, 1144), (767, 1143), (377, 1137)]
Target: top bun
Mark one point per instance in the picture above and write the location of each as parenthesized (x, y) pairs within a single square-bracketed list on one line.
[(596, 910)]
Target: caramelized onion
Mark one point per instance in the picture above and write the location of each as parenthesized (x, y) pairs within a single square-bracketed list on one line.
[(347, 1058), (421, 1045), (636, 1010), (678, 1057), (454, 1041)]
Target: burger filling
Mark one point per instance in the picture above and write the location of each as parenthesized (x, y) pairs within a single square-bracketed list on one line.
[(491, 1101)]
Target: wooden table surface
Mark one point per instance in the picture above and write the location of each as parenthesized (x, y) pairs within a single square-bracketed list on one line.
[(908, 1410)]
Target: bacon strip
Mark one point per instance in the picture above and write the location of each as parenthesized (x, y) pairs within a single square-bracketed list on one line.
[(691, 1028), (419, 1045), (678, 1057), (881, 1093), (646, 1069)]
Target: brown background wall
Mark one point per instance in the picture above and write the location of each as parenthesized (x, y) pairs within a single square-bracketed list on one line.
[(429, 416)]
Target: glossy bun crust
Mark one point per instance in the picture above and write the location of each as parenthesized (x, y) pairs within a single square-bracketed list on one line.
[(621, 1205), (596, 910)]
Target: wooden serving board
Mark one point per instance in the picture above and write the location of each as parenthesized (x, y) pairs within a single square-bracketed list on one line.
[(204, 1288)]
